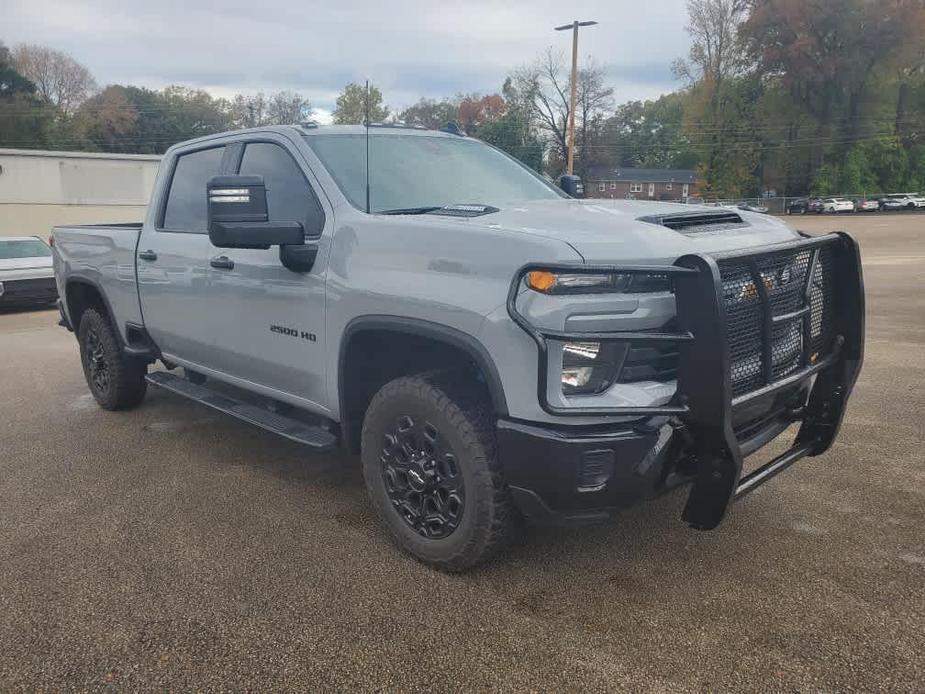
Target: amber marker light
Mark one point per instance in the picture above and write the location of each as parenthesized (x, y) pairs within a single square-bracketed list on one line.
[(541, 280)]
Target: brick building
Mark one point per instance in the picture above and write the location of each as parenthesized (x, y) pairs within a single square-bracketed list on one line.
[(641, 184)]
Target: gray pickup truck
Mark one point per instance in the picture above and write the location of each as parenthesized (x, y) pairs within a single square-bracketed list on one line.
[(492, 347)]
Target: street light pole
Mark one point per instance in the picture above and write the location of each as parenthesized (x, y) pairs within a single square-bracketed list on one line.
[(574, 85)]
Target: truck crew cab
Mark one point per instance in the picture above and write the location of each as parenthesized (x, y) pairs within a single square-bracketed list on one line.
[(491, 346)]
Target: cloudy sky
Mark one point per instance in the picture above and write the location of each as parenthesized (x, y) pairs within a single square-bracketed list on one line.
[(408, 48)]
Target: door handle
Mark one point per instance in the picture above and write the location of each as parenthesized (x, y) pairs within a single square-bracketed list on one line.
[(223, 262), (147, 255)]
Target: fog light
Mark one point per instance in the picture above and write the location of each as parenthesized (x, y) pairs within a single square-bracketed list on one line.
[(589, 367), (577, 377)]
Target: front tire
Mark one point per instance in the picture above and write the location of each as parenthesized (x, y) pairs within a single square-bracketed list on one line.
[(431, 470), (117, 382)]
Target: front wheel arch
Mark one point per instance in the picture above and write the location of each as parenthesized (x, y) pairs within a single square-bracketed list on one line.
[(368, 338)]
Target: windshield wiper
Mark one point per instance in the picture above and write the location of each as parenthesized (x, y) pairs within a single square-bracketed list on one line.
[(411, 210), (467, 210)]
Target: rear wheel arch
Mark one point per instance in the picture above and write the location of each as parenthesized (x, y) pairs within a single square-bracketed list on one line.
[(80, 294), (402, 347)]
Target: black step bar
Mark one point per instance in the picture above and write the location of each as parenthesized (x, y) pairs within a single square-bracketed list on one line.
[(313, 436)]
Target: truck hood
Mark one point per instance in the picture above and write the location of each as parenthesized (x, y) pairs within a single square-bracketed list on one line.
[(605, 231)]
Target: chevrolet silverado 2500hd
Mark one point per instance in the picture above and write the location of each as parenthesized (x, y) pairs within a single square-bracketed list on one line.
[(491, 346)]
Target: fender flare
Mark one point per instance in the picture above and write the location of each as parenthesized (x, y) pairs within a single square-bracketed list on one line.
[(73, 279), (423, 328), (147, 352)]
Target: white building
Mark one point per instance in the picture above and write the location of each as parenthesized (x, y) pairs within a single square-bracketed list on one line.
[(40, 189)]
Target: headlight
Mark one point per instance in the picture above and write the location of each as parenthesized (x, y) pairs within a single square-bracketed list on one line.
[(547, 282), (589, 367)]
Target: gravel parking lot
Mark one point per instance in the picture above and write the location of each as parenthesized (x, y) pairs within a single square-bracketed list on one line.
[(170, 547)]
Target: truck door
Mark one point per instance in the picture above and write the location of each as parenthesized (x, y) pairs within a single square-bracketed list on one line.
[(173, 258), (271, 327)]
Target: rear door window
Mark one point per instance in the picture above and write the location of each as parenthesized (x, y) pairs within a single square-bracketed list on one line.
[(289, 196), (186, 208)]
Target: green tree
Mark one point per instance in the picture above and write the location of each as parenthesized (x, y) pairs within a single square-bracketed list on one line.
[(511, 133), (650, 134), (25, 118), (354, 103), (138, 120), (431, 113)]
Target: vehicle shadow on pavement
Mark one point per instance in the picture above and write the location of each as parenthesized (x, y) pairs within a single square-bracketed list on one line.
[(28, 308)]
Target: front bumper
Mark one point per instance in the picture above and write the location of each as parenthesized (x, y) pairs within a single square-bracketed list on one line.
[(718, 415), (28, 291)]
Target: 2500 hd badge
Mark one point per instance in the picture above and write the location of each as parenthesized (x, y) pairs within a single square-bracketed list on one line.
[(293, 332)]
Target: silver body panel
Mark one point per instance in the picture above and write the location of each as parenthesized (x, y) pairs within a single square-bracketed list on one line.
[(449, 272)]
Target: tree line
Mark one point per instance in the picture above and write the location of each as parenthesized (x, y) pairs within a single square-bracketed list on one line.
[(794, 96)]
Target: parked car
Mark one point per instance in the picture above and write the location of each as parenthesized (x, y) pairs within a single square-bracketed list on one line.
[(26, 273), (866, 205), (815, 206), (798, 206), (901, 201), (752, 207), (835, 205), (472, 342)]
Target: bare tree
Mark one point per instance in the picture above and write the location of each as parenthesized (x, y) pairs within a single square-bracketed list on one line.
[(717, 57), (542, 90), (59, 79), (249, 111), (716, 52), (285, 108)]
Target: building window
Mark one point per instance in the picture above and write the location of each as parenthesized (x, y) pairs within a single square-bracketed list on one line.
[(601, 187), (635, 187), (667, 186), (613, 185)]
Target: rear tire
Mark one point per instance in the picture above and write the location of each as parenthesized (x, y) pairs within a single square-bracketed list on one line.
[(117, 382), (431, 470)]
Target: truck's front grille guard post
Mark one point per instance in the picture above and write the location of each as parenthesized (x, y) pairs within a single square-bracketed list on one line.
[(704, 398)]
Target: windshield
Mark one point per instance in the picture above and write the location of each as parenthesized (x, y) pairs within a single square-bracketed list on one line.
[(414, 171), (28, 248)]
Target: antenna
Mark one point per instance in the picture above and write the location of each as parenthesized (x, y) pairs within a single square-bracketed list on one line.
[(367, 146)]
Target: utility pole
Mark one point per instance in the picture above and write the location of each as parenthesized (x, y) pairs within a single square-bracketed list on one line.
[(574, 84)]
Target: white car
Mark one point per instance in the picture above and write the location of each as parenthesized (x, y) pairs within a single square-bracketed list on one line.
[(26, 272), (902, 201), (833, 205)]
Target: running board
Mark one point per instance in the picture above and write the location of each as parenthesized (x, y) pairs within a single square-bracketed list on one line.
[(313, 436)]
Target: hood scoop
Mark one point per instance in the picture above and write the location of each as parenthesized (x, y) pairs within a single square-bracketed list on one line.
[(689, 223)]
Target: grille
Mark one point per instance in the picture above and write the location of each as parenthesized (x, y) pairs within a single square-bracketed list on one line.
[(40, 287), (655, 363), (774, 289)]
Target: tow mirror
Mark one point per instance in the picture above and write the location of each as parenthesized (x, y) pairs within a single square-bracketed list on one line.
[(237, 214), (572, 185)]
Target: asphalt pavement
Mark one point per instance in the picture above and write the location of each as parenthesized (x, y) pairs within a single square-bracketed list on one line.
[(172, 548)]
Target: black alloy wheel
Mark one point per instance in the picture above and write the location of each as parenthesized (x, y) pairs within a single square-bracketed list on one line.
[(422, 477), (116, 380), (97, 364)]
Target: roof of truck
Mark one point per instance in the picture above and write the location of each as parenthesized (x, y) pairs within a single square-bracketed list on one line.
[(374, 129)]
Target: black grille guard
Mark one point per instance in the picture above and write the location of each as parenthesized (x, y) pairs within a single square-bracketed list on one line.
[(704, 399)]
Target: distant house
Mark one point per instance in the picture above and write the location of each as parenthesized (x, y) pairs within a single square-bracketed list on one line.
[(641, 184)]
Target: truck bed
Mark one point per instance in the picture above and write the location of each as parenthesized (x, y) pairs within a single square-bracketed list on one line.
[(102, 255)]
